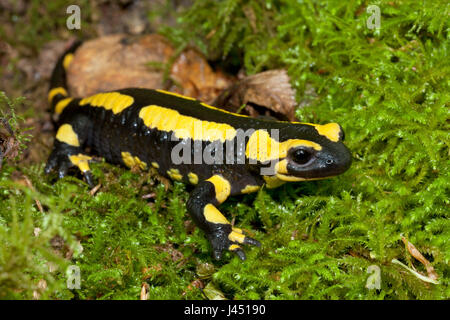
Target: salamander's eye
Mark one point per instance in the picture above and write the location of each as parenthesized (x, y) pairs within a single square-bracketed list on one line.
[(301, 156)]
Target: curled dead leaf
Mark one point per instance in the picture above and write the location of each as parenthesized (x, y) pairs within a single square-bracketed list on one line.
[(192, 72), (117, 61), (122, 61), (267, 93), (212, 293), (145, 291)]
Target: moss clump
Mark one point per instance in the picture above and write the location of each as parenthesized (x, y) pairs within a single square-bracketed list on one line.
[(387, 88)]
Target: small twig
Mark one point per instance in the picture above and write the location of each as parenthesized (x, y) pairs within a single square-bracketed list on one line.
[(38, 203), (416, 254), (418, 275), (149, 196), (7, 126), (95, 189)]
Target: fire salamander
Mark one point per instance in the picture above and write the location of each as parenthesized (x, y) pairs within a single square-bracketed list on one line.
[(223, 154)]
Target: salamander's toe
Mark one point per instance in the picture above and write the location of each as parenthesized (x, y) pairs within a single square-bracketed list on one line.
[(89, 178), (217, 254), (238, 250), (51, 164), (252, 242), (62, 170)]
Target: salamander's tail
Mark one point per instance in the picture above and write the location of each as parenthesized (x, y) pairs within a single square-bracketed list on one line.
[(58, 86)]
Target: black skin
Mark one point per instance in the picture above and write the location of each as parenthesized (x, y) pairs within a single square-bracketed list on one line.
[(108, 135)]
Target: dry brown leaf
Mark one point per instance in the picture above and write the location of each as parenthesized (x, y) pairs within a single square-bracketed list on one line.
[(144, 291), (192, 72), (267, 93), (122, 61), (116, 62)]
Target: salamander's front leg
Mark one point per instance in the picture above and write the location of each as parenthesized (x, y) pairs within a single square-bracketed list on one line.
[(202, 207), (67, 152)]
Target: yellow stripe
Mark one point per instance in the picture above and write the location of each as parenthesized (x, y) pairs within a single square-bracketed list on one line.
[(283, 174), (185, 127), (221, 186), (55, 91), (250, 189), (66, 134), (224, 111), (175, 94), (114, 101), (60, 106), (67, 60), (213, 215), (203, 104)]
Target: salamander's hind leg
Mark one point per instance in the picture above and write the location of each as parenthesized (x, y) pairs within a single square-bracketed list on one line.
[(68, 152), (202, 207)]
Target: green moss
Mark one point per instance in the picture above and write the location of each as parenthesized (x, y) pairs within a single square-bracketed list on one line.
[(41, 22), (387, 88)]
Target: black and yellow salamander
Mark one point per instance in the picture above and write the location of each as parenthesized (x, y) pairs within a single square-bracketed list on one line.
[(223, 154)]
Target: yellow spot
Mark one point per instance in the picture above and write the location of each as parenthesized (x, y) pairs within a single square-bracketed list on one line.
[(273, 182), (250, 189), (114, 101), (222, 187), (263, 148), (175, 174), (67, 60), (234, 247), (55, 91), (61, 105), (236, 237), (330, 130), (155, 165), (185, 127), (193, 178), (213, 215), (131, 161), (175, 94), (66, 134), (81, 161)]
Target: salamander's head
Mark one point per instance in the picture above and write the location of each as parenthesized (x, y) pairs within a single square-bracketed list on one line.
[(309, 152)]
